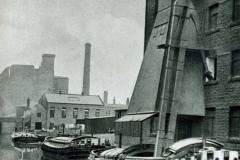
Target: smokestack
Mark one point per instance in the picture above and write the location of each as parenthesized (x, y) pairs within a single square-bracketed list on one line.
[(105, 97), (28, 102), (114, 100), (127, 101), (86, 72)]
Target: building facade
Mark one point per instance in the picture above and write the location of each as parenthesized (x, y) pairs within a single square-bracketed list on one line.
[(55, 110), (188, 84), (20, 82)]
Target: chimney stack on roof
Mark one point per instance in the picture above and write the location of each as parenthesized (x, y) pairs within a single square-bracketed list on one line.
[(105, 97), (114, 100), (127, 101), (28, 102), (86, 72)]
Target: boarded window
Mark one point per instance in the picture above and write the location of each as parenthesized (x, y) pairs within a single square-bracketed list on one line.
[(235, 63), (52, 112), (213, 16), (64, 113), (234, 121), (236, 10), (75, 112), (209, 122)]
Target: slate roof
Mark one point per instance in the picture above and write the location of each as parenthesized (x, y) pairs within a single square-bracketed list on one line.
[(74, 99)]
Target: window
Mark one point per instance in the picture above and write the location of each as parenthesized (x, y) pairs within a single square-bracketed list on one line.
[(119, 114), (97, 113), (52, 112), (234, 121), (235, 66), (64, 113), (213, 14), (38, 125), (75, 112), (236, 10), (209, 122), (39, 115), (51, 125), (86, 113), (211, 63)]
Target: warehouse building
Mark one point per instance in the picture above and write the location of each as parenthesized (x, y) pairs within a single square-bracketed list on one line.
[(188, 84)]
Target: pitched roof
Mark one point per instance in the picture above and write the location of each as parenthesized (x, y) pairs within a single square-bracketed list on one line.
[(74, 99)]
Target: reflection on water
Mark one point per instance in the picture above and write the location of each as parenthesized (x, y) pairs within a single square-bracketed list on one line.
[(8, 151)]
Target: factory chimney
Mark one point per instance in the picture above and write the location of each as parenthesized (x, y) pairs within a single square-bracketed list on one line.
[(105, 97), (86, 72)]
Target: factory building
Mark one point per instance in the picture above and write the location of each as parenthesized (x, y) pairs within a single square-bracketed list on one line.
[(188, 84), (20, 82)]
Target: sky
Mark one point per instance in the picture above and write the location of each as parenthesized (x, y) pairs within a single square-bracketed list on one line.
[(115, 28)]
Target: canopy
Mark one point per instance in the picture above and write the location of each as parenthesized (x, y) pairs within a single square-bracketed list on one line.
[(135, 117)]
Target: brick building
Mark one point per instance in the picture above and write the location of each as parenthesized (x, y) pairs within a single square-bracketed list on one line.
[(54, 110), (20, 82), (188, 84)]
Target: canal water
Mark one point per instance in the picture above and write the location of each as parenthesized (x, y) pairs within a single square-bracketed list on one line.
[(10, 152)]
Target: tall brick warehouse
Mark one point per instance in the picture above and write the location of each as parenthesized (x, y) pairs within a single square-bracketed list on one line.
[(189, 81), (20, 82)]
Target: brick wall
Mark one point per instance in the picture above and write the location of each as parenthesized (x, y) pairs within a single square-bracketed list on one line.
[(58, 120)]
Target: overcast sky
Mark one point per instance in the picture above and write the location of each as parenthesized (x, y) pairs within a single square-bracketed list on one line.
[(115, 28)]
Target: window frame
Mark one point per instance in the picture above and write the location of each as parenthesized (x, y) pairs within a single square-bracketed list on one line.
[(86, 111), (214, 73), (235, 11), (234, 60), (75, 113), (210, 118), (52, 112), (233, 110), (36, 124), (51, 125), (97, 111), (213, 11), (64, 112)]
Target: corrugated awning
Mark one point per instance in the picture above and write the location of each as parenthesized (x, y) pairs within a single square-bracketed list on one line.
[(135, 117)]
